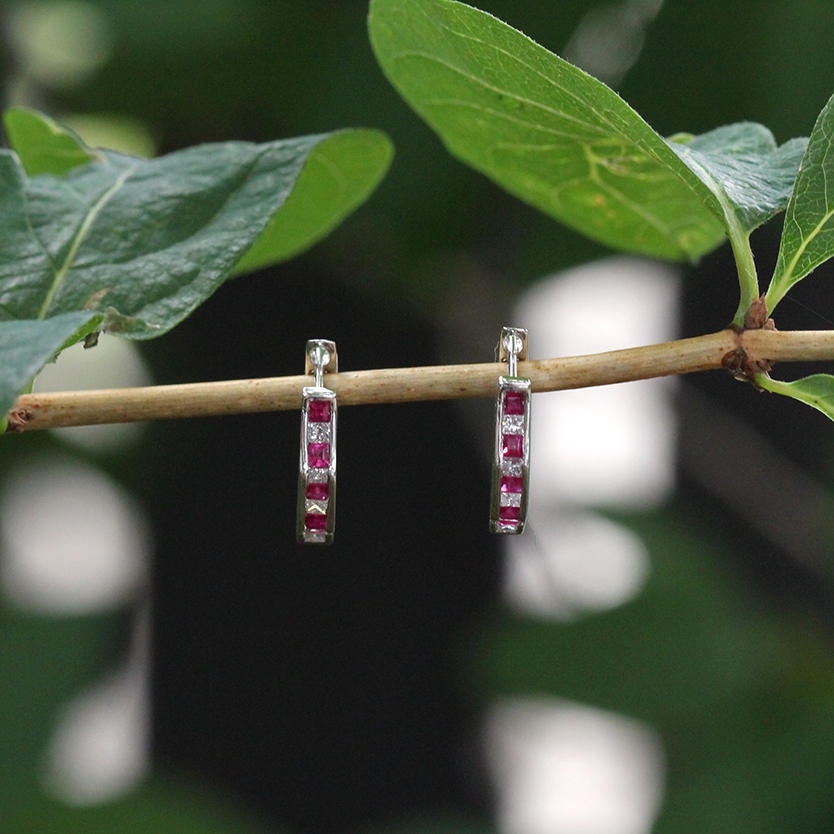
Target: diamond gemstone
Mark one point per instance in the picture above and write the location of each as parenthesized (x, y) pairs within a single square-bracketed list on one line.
[(315, 538), (317, 432), (513, 424), (510, 499), (512, 468), (317, 476)]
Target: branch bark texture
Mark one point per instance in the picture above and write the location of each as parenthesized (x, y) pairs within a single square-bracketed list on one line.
[(400, 385)]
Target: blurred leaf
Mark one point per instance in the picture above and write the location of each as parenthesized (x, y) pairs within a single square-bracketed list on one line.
[(44, 147), (543, 129), (808, 234), (750, 176), (44, 661), (161, 807), (26, 346), (683, 629), (816, 390), (742, 695)]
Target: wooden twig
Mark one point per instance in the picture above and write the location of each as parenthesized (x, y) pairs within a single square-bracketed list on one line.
[(399, 385)]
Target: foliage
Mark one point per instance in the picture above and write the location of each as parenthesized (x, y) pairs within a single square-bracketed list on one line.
[(132, 246), (96, 240), (569, 145), (809, 227), (742, 696)]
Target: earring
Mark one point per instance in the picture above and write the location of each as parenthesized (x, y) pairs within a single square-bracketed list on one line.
[(511, 465), (315, 518)]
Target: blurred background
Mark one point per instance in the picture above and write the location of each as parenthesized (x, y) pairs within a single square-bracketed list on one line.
[(653, 655)]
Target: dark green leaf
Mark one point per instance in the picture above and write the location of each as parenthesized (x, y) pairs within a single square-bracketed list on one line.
[(808, 234), (44, 147), (147, 241), (751, 177), (543, 129), (26, 346), (132, 246)]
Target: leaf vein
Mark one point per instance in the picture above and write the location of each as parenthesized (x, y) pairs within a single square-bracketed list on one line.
[(83, 229), (487, 86)]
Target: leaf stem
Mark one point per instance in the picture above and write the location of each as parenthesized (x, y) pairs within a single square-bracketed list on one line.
[(398, 385), (748, 280), (778, 386), (773, 385)]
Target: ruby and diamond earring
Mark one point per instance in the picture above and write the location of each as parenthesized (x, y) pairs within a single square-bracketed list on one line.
[(315, 519), (511, 465)]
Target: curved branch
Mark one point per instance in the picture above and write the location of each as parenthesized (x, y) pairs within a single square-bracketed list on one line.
[(399, 385)]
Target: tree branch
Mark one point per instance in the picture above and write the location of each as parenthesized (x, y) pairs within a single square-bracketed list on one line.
[(398, 385)]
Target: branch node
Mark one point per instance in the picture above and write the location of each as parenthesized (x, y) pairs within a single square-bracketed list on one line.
[(737, 361), (18, 418)]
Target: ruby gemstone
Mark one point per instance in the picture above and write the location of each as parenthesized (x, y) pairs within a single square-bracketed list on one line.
[(513, 403), (513, 445), (510, 484), (509, 513), (318, 455), (315, 521), (319, 411), (318, 492)]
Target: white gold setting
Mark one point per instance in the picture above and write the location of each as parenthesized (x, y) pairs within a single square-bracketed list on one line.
[(511, 463), (315, 515)]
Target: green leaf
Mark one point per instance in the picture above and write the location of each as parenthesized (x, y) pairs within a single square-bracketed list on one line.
[(146, 241), (26, 346), (132, 246), (750, 176), (543, 129), (808, 233), (816, 390), (338, 177), (44, 147)]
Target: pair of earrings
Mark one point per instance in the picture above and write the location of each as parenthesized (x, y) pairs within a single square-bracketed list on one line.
[(315, 520)]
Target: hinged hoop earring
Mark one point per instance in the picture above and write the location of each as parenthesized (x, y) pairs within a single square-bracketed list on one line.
[(316, 509), (511, 463)]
